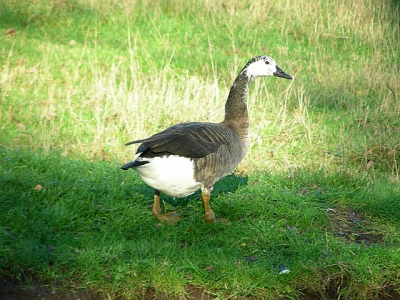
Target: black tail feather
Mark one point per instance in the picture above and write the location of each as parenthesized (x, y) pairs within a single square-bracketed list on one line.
[(134, 164)]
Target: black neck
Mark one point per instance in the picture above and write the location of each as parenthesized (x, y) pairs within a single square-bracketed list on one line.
[(236, 105)]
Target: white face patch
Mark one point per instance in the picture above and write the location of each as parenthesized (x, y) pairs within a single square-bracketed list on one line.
[(261, 68)]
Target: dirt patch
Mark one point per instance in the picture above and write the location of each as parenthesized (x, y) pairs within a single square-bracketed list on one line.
[(13, 290), (389, 293), (194, 293), (353, 226)]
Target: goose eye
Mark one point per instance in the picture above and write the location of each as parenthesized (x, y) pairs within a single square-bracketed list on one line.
[(267, 62)]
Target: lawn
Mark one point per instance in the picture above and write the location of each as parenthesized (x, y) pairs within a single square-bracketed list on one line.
[(315, 205)]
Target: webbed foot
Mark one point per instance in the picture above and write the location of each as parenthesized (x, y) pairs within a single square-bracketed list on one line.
[(169, 218)]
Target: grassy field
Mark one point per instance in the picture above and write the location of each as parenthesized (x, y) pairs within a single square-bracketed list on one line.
[(318, 193)]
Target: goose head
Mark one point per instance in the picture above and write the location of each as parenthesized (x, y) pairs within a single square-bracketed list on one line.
[(263, 66)]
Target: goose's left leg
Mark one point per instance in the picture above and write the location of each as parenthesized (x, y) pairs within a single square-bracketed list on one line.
[(209, 215), (170, 218)]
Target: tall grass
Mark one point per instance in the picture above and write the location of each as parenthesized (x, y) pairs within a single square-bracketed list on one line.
[(130, 69)]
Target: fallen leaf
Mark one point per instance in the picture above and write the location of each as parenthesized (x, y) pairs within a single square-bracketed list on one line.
[(210, 268), (11, 31), (103, 154), (38, 187)]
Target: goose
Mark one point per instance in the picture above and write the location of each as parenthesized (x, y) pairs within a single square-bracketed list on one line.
[(195, 155)]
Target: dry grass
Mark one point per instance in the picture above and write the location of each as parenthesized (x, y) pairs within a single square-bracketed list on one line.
[(343, 54)]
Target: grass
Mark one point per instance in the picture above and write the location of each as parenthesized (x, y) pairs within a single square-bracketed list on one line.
[(318, 191), (102, 236)]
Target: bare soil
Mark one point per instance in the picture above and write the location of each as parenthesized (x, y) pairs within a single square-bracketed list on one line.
[(13, 290)]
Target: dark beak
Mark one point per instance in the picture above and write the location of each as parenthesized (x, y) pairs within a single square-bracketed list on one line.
[(280, 73)]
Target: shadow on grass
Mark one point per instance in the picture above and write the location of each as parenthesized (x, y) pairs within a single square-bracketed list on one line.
[(88, 225)]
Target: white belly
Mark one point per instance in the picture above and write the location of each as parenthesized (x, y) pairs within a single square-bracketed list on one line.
[(172, 175)]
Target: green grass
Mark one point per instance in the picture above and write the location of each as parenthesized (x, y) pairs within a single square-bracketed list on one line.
[(90, 226), (318, 192)]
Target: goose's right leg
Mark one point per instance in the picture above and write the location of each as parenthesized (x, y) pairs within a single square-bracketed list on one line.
[(170, 218)]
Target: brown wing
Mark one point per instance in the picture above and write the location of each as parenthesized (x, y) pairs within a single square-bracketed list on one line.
[(192, 139)]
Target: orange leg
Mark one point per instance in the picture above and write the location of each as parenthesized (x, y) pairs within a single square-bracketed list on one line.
[(156, 206), (209, 215), (170, 218)]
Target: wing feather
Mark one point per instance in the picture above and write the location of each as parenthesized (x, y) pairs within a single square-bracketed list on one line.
[(192, 139)]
